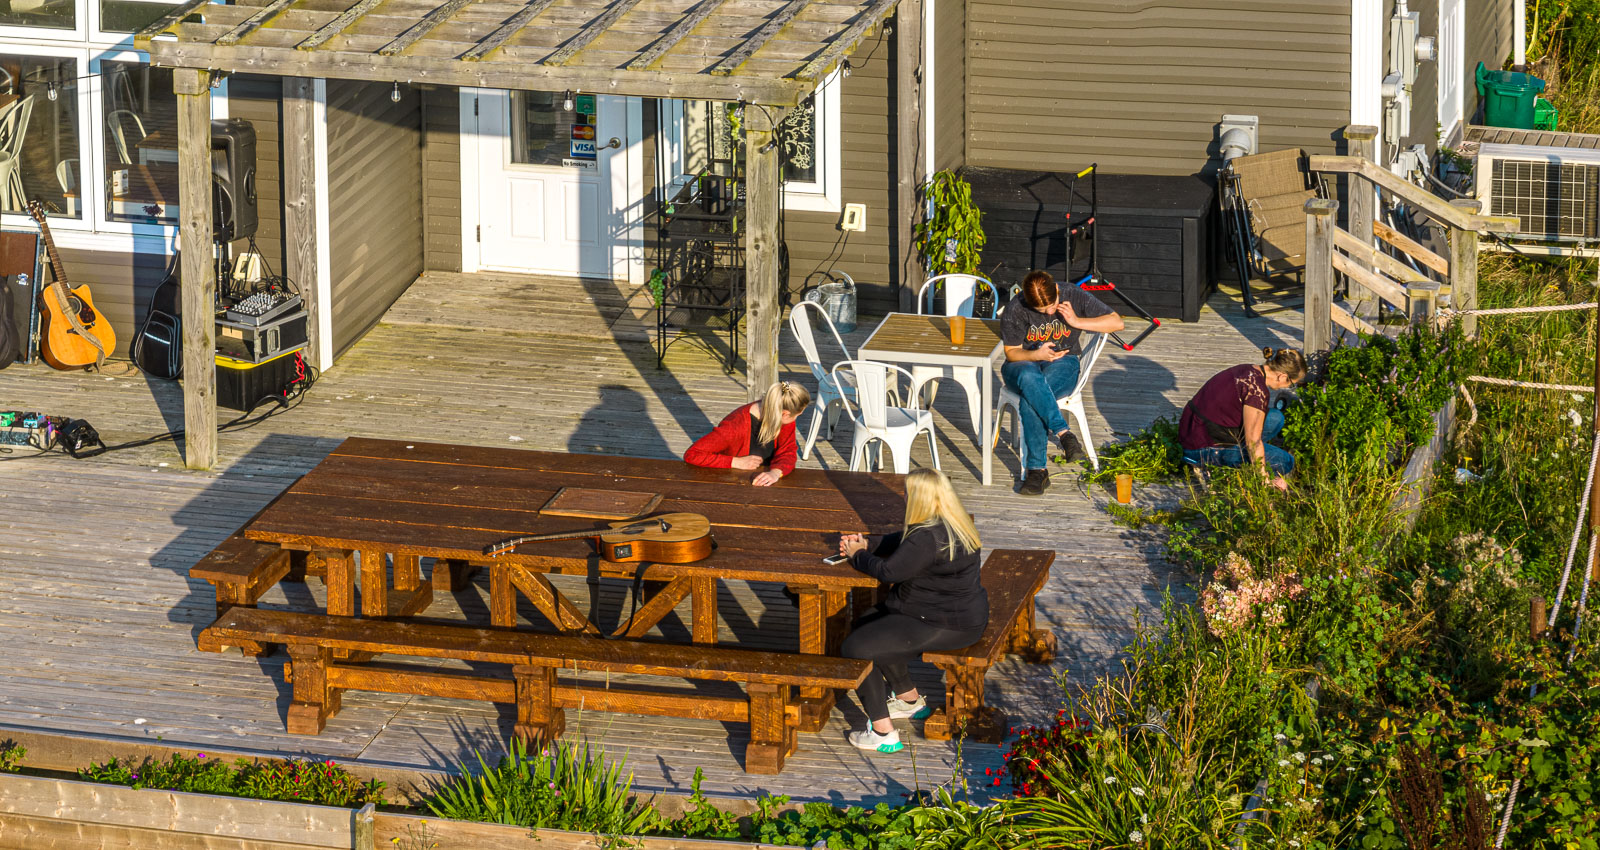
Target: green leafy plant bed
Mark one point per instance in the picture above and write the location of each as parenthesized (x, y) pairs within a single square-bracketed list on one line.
[(302, 781)]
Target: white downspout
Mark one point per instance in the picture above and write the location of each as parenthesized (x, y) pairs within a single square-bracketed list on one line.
[(1366, 64), (927, 90), (1519, 35)]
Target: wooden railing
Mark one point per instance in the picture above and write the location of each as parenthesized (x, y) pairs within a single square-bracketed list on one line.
[(1367, 254)]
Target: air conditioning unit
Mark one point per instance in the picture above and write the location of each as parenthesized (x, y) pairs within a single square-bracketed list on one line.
[(1550, 182)]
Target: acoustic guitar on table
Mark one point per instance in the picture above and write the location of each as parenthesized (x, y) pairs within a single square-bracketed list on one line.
[(75, 333), (680, 538)]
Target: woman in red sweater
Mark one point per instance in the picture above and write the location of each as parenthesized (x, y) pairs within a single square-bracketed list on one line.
[(756, 435)]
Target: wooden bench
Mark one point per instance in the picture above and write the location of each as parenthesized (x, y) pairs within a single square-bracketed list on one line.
[(242, 570), (541, 697), (1012, 577)]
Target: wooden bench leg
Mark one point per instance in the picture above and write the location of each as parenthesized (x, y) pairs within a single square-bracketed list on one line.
[(963, 711), (538, 719), (299, 565), (314, 700), (772, 737), (1035, 646), (450, 576), (817, 611)]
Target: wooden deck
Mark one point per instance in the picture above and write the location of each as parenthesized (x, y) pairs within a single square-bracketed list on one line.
[(99, 617)]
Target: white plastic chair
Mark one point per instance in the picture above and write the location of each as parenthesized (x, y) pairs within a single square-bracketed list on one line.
[(879, 421), (1071, 403), (829, 398), (13, 129), (960, 299), (118, 122)]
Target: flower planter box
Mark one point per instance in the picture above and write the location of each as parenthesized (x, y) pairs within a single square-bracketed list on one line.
[(1418, 477)]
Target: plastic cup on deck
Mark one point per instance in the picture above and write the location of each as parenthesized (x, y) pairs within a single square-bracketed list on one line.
[(1124, 488)]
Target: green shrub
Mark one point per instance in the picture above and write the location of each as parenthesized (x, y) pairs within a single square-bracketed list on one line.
[(1150, 455), (11, 756), (565, 785), (319, 782)]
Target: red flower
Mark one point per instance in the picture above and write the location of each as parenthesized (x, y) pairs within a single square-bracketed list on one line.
[(997, 780)]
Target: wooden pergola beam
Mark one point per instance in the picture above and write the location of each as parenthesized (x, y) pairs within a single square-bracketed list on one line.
[(847, 40), (198, 290), (511, 27), (761, 287), (344, 21), (255, 21), (171, 19), (421, 70), (761, 36), (671, 37), (591, 31), (423, 27)]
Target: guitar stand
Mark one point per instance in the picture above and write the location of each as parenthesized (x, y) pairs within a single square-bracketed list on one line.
[(1094, 281)]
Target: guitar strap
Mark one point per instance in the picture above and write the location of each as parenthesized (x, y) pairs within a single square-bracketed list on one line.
[(637, 590)]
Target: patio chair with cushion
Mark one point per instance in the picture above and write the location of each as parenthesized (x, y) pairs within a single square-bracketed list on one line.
[(1071, 403), (879, 421), (963, 295), (829, 398), (1263, 198)]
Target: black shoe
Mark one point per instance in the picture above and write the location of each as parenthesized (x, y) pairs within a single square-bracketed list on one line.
[(1035, 482), (1070, 449)]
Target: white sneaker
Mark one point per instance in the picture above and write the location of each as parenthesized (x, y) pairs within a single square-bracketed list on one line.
[(899, 709), (869, 739)]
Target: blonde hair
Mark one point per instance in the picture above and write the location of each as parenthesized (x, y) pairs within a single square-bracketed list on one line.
[(931, 499), (1288, 362), (782, 397)]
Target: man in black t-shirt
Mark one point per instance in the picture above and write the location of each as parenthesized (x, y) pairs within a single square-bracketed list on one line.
[(1040, 331)]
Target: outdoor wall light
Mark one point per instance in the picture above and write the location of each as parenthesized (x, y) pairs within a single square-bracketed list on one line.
[(395, 95), (566, 101)]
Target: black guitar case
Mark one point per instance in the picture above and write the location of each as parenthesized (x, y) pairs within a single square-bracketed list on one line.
[(10, 342), (158, 346)]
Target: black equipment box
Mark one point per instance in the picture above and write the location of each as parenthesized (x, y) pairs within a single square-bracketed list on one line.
[(241, 384), (259, 343)]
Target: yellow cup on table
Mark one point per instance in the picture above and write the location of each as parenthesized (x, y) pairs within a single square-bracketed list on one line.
[(958, 329)]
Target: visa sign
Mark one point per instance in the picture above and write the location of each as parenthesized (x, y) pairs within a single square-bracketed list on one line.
[(582, 149)]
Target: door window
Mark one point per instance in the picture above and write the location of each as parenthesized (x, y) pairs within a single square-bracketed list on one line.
[(545, 132), (141, 143), (39, 134)]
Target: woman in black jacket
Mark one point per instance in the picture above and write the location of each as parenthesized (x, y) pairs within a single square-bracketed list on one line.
[(936, 603)]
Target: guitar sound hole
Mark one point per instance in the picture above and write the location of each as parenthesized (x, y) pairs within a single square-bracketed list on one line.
[(85, 313)]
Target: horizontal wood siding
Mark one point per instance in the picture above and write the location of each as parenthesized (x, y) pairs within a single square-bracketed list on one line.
[(441, 178), (867, 140), (374, 202), (949, 83), (1140, 86), (259, 100), (1490, 36)]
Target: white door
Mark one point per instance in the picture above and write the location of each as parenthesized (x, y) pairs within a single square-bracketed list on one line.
[(1451, 66), (555, 190)]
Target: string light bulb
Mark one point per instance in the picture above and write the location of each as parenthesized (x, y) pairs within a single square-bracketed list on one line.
[(566, 101), (395, 95), (844, 69), (50, 91)]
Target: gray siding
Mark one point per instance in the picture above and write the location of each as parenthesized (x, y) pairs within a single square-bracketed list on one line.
[(949, 83), (1140, 86), (374, 202), (1489, 40), (259, 100), (441, 178), (815, 242)]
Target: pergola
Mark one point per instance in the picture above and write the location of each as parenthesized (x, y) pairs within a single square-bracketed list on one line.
[(772, 53)]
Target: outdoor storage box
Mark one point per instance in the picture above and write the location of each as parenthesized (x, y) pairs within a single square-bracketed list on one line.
[(240, 383)]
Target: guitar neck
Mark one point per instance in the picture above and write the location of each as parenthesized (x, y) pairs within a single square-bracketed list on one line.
[(535, 538), (58, 273)]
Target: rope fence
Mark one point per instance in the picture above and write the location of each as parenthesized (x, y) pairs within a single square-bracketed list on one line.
[(1531, 385)]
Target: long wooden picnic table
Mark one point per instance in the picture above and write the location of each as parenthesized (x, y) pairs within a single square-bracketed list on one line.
[(373, 500)]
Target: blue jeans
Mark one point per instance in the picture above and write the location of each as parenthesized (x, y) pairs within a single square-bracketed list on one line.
[(1040, 383), (1282, 462)]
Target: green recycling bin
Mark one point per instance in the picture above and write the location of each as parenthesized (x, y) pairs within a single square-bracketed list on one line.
[(1508, 97)]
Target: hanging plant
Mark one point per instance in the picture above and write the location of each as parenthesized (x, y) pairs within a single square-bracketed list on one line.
[(950, 238)]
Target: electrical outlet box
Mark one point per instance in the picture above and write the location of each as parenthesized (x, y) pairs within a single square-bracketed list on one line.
[(854, 218), (1403, 46)]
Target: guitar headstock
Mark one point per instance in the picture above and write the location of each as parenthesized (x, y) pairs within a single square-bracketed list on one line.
[(36, 210), (495, 550)]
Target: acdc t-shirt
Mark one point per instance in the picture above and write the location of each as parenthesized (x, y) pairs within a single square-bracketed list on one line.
[(1022, 325)]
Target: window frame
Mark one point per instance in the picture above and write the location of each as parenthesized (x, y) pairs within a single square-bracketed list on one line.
[(825, 193)]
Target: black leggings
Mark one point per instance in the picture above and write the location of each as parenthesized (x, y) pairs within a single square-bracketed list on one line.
[(891, 641)]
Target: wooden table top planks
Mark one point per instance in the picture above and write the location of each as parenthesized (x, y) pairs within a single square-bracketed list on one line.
[(445, 501), (910, 333)]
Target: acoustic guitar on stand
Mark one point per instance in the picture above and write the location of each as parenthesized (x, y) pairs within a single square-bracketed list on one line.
[(75, 333), (662, 539)]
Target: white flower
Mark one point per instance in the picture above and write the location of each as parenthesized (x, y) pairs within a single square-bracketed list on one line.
[(1280, 737), (1283, 762), (1137, 791), (1317, 761), (1577, 397), (1144, 817), (1111, 780), (1350, 770), (1300, 757), (1135, 837), (1294, 843)]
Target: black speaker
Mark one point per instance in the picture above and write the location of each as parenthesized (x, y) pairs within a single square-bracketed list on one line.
[(233, 171)]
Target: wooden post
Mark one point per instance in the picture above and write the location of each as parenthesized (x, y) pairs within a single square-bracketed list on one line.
[(908, 146), (1363, 200), (1536, 616), (300, 203), (1464, 269), (1319, 275), (761, 249), (1594, 490), (363, 832), (198, 272)]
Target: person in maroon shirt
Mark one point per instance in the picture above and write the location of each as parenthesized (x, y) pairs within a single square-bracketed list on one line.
[(1230, 416), (755, 435)]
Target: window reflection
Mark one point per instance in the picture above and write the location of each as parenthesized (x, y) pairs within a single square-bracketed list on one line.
[(50, 14), (130, 15), (141, 143), (39, 134)]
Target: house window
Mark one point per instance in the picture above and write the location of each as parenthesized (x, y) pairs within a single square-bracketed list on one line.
[(811, 154), (39, 134), (131, 15), (43, 14), (141, 143)]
